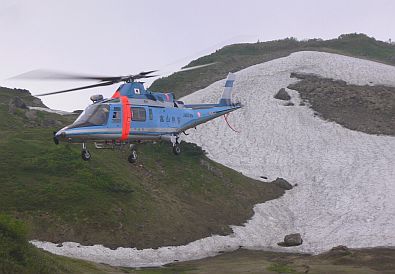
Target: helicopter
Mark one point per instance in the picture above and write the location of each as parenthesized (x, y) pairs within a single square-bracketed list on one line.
[(134, 114)]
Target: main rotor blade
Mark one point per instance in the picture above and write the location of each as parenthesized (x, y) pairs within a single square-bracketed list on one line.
[(40, 74), (197, 67), (104, 80), (135, 77), (57, 75), (79, 88), (147, 72)]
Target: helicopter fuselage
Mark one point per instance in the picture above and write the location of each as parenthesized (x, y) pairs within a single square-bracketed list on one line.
[(148, 121), (136, 114)]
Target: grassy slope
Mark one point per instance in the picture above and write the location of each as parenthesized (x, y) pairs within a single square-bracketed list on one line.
[(19, 256), (164, 200), (236, 57), (369, 109)]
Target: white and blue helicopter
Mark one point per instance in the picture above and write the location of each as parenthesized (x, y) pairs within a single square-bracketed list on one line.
[(134, 114)]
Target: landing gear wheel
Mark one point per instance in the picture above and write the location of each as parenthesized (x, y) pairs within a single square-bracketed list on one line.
[(133, 156), (86, 155), (176, 149)]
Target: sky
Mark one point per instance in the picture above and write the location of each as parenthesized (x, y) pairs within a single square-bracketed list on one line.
[(125, 36)]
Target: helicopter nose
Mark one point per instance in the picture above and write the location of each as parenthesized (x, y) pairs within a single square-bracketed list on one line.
[(59, 135), (56, 138)]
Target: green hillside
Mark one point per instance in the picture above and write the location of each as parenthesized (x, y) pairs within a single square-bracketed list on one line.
[(239, 56), (162, 200)]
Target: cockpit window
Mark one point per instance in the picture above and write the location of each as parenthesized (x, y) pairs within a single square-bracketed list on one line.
[(93, 115)]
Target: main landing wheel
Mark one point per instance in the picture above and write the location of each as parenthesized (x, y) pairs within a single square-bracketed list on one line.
[(133, 156), (176, 149), (86, 155)]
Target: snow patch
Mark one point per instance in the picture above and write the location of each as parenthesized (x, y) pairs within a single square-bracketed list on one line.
[(61, 112)]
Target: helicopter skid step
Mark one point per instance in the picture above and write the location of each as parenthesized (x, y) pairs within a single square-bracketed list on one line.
[(109, 145)]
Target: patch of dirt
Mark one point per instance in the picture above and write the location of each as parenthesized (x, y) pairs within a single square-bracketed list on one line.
[(368, 260), (370, 109)]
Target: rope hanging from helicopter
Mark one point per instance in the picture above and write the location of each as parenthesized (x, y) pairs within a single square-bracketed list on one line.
[(227, 122)]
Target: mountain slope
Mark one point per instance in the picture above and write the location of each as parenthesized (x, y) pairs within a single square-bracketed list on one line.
[(163, 200), (239, 56)]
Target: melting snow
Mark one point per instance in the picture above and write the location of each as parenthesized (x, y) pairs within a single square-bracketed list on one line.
[(61, 112), (346, 179)]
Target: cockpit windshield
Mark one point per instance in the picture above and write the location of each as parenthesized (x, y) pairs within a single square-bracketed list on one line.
[(93, 115)]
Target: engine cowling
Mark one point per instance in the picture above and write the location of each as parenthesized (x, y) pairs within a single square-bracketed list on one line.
[(96, 98)]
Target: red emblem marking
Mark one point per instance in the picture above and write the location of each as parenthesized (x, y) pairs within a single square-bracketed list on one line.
[(126, 117)]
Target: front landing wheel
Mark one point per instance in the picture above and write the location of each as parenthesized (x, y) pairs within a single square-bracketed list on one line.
[(176, 149), (86, 155), (133, 156)]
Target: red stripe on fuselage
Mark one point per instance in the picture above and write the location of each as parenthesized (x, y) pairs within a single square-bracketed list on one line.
[(116, 94), (126, 117)]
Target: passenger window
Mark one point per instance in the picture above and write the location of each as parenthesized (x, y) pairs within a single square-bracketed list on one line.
[(116, 115), (139, 114), (151, 115)]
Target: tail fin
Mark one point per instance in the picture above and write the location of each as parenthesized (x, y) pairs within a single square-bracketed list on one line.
[(226, 99)]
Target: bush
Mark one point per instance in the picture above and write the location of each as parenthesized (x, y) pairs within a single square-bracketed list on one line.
[(12, 228)]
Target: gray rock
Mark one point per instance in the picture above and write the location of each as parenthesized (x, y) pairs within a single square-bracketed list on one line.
[(37, 103), (31, 114), (15, 103), (282, 94), (302, 76), (292, 240), (211, 168), (282, 183), (289, 104), (11, 108)]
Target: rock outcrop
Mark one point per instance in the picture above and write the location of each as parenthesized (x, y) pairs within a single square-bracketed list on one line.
[(282, 94), (284, 184), (16, 103), (31, 114)]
